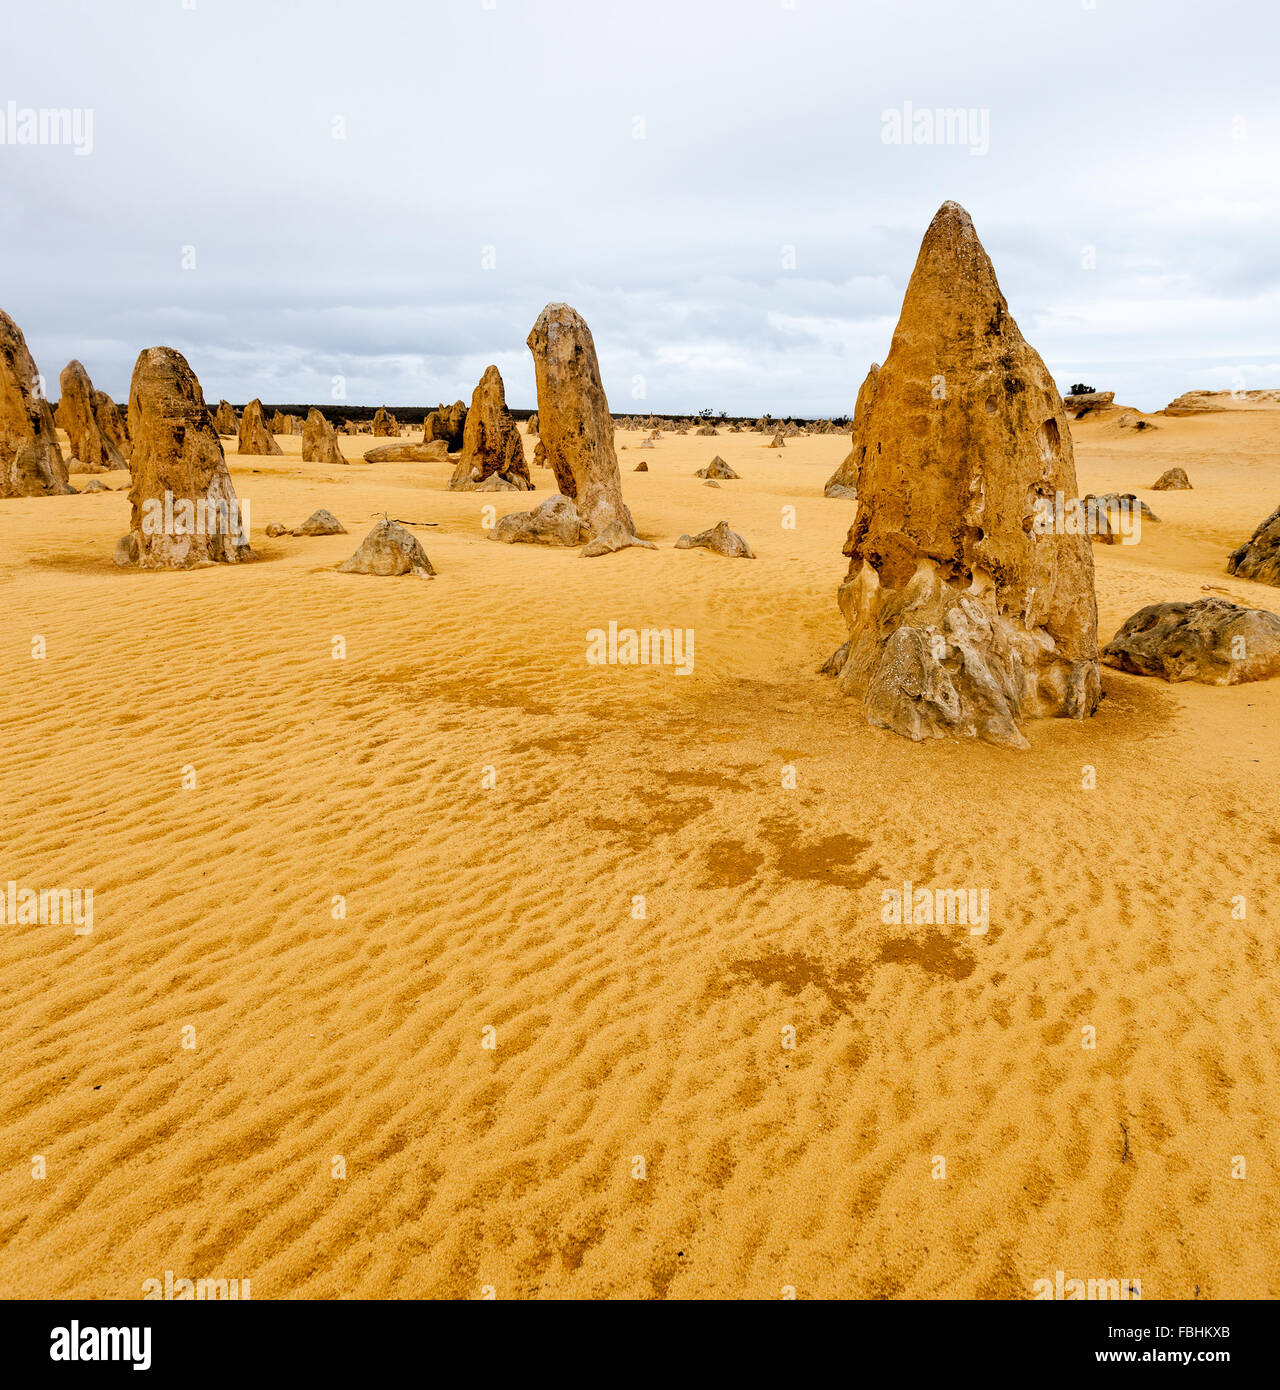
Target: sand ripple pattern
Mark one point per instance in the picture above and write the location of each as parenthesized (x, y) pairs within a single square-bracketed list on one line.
[(619, 1038)]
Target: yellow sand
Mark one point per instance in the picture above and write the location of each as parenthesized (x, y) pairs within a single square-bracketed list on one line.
[(511, 908)]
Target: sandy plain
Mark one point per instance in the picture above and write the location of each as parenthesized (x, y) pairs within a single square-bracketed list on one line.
[(514, 1168)]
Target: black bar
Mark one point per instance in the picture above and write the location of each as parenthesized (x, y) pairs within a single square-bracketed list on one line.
[(336, 1339)]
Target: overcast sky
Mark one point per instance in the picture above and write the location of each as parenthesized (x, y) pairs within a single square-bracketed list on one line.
[(707, 181)]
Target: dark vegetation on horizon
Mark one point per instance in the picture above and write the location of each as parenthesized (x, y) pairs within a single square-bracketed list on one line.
[(413, 414)]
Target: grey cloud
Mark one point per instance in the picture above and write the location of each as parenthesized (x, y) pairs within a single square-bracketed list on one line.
[(1144, 130)]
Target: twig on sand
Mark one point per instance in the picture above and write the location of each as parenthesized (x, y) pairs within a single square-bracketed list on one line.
[(1124, 1157)]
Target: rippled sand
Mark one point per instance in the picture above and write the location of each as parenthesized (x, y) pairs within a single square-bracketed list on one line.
[(621, 1038)]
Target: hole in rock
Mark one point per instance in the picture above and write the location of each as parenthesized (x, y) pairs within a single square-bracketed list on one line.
[(1049, 441)]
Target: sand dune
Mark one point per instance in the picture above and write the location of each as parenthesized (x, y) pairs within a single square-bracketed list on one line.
[(512, 908)]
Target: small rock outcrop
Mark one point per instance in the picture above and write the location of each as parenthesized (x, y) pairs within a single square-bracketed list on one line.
[(1210, 641), (184, 508), (389, 550), (321, 523), (720, 539), (91, 450), (448, 422), (1259, 557), (31, 463), (384, 424), (491, 443), (319, 440), (1080, 405), (1172, 480), (1116, 503), (717, 468), (437, 451), (553, 522), (1195, 403), (531, 426), (641, 467), (963, 620), (255, 438), (574, 421), (224, 418)]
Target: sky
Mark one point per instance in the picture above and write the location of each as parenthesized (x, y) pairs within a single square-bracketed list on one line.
[(375, 198)]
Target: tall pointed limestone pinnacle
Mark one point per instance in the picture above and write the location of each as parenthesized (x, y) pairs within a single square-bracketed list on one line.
[(491, 443), (575, 425), (31, 463), (255, 437), (112, 424), (89, 445), (965, 616), (184, 507)]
